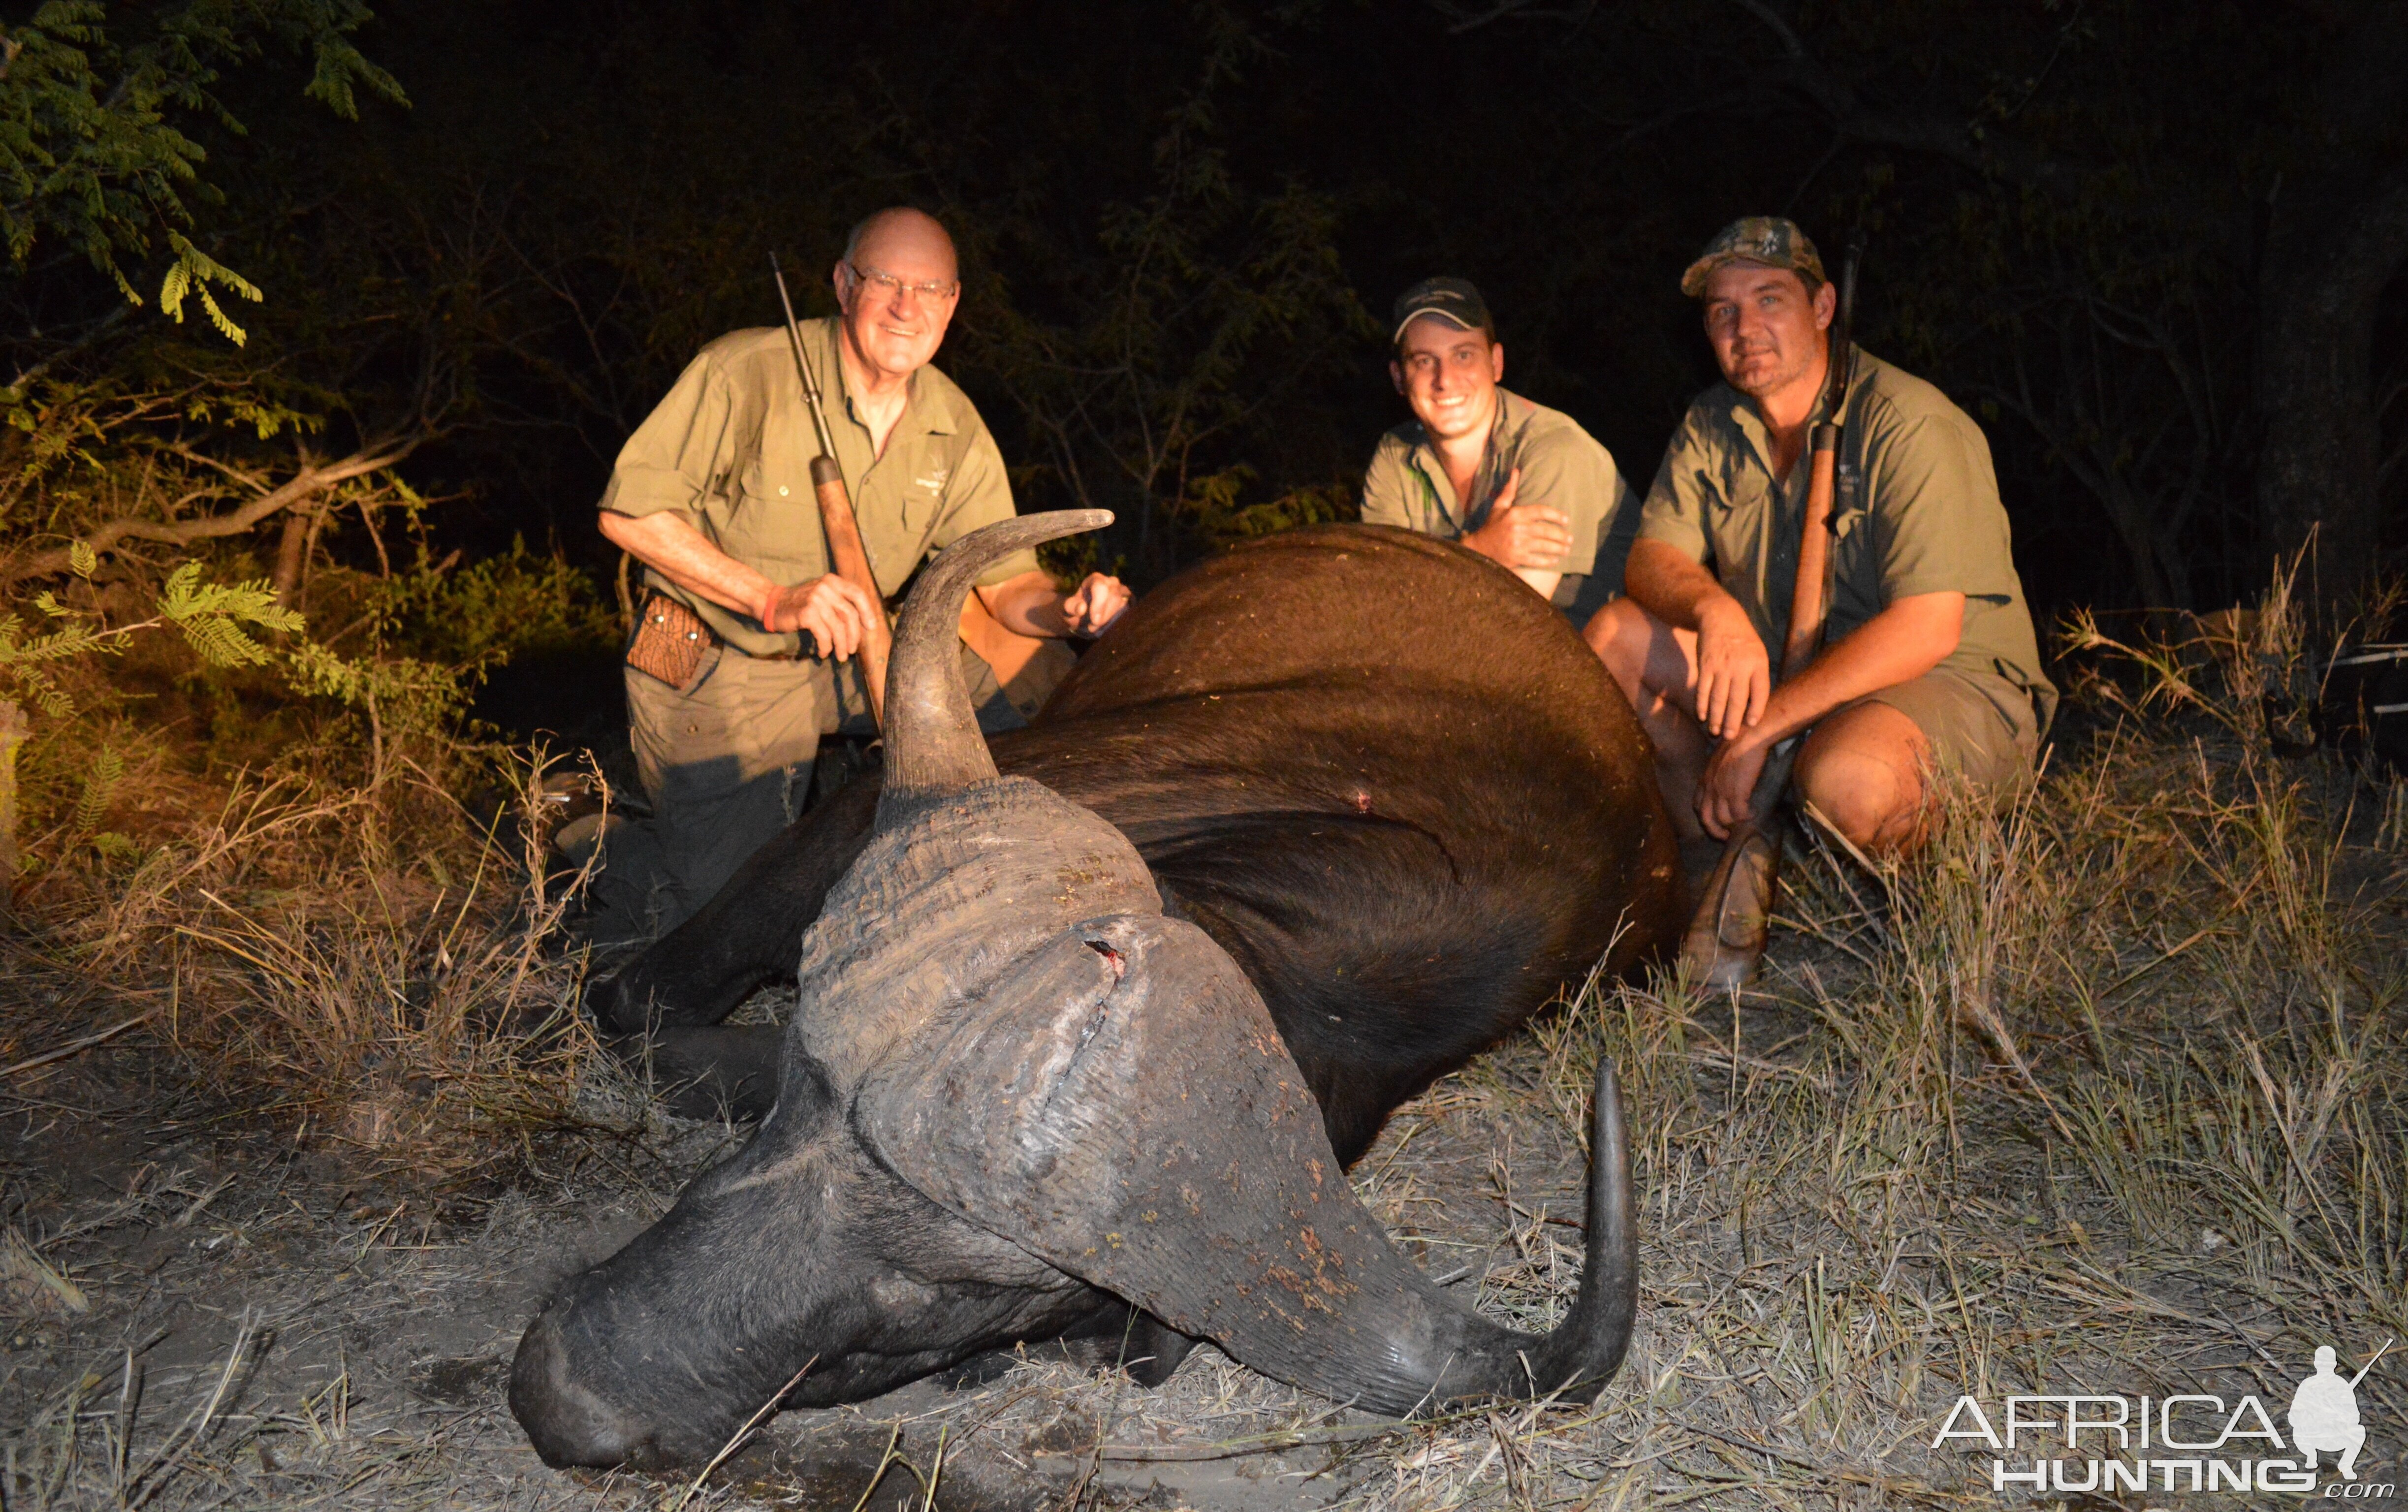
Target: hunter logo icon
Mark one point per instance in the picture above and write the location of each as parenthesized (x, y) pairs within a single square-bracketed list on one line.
[(2324, 1413)]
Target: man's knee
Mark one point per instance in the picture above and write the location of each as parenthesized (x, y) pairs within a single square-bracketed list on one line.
[(1619, 635), (1606, 629), (1866, 798), (1862, 769)]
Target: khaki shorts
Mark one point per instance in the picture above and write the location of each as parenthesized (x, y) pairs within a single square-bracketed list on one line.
[(1980, 727)]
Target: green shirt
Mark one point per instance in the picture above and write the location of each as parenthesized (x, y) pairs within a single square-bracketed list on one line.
[(1562, 466), (1917, 512), (730, 449)]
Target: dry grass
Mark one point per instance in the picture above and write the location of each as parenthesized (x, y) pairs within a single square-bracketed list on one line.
[(377, 968), (2095, 1095), (2099, 1094)]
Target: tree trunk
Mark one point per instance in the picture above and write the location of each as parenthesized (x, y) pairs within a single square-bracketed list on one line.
[(2338, 234), (291, 551)]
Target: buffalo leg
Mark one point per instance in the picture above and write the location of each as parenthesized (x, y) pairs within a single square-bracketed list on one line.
[(749, 932), (709, 1072)]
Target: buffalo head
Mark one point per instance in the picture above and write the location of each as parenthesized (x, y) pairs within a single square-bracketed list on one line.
[(1012, 1083)]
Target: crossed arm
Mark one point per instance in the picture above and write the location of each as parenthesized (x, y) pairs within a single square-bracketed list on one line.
[(833, 611), (1528, 538)]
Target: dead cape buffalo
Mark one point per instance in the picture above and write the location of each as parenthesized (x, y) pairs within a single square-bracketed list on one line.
[(1315, 823)]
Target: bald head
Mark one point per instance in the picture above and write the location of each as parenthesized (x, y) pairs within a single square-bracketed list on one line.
[(902, 234), (897, 286)]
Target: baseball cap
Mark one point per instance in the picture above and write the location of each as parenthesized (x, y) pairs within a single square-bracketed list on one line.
[(1772, 240), (1452, 300)]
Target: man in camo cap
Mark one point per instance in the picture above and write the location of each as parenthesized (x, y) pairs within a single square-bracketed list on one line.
[(1929, 661), (1478, 465)]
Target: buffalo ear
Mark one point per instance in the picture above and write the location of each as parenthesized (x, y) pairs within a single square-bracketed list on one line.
[(1122, 1106)]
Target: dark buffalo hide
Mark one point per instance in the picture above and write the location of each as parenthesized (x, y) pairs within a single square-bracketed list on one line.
[(1089, 1026)]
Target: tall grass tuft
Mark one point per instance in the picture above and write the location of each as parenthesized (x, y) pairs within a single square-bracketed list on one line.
[(376, 967)]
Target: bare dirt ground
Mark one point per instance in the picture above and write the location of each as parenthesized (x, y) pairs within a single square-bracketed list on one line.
[(2103, 1097)]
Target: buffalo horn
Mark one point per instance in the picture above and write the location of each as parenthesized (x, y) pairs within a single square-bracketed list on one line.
[(932, 735)]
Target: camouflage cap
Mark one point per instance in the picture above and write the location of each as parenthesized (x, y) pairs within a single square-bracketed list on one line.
[(1772, 240), (1452, 300)]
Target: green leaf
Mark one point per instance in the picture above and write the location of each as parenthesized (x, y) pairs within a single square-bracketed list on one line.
[(211, 615), (81, 559), (98, 785), (192, 273)]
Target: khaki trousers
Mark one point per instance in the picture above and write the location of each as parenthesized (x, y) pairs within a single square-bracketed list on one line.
[(727, 763)]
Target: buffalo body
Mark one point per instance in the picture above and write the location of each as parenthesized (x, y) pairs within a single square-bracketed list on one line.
[(1093, 1022)]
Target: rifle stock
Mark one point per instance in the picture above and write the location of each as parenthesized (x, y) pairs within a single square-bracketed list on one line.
[(1809, 601), (851, 560)]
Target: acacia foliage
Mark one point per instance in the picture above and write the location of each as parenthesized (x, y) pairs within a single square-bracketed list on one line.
[(95, 150), (1181, 224)]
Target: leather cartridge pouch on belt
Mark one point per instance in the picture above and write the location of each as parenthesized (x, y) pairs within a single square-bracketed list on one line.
[(670, 642)]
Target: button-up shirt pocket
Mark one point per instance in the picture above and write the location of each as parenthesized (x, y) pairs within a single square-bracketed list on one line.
[(773, 524)]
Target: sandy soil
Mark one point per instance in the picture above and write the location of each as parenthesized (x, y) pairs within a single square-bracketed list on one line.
[(356, 1322)]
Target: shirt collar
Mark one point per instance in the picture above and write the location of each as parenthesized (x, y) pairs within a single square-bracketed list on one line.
[(1751, 425), (922, 415), (1501, 433)]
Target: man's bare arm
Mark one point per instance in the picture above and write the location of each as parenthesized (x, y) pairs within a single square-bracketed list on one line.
[(1031, 604), (1734, 668), (833, 611), (1900, 644), (1528, 538)]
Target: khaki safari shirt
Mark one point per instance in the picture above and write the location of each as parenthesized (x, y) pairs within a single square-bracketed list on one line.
[(1916, 511), (730, 450), (1562, 466)]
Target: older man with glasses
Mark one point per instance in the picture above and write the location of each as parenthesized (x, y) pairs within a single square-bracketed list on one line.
[(732, 676)]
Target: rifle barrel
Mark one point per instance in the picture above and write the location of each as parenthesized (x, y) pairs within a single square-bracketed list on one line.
[(802, 364), (847, 552), (2370, 1364)]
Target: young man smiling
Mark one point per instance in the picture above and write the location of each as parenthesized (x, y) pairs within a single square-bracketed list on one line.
[(1478, 465), (1928, 659)]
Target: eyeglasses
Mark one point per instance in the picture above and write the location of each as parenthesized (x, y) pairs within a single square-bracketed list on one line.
[(887, 286)]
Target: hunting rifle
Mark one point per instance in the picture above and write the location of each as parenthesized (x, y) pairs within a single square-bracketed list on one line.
[(845, 551), (1726, 937)]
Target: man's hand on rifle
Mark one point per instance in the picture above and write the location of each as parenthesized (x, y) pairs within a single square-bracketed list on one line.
[(830, 610), (1726, 790), (1734, 670), (1094, 603), (1527, 538)]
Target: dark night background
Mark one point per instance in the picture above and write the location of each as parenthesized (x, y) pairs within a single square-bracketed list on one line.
[(2155, 248), (2101, 1086)]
